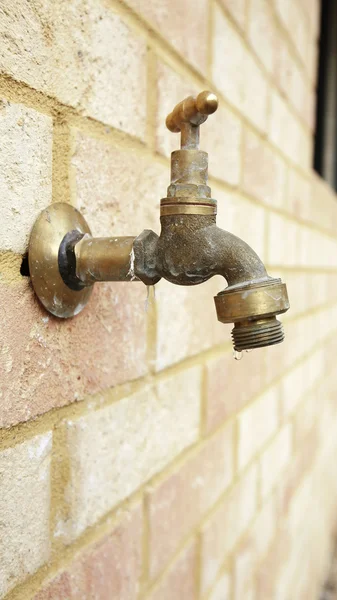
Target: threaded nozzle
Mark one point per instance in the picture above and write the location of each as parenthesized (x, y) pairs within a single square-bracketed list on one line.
[(247, 335)]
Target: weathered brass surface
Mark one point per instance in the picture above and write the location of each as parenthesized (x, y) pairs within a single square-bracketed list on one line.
[(247, 335), (47, 234), (189, 165), (105, 259), (265, 298), (192, 111), (187, 209), (65, 260), (252, 308)]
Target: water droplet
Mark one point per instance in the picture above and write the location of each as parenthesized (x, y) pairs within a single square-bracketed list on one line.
[(237, 355)]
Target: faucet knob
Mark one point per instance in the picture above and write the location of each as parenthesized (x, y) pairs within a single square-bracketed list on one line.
[(192, 111)]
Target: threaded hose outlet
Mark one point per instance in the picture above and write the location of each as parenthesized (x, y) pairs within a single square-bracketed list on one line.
[(248, 335)]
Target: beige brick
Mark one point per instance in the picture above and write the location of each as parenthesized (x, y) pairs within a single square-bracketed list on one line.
[(257, 423), (181, 580), (236, 74), (298, 194), (299, 31), (261, 32), (25, 166), (224, 528), (291, 78), (312, 63), (269, 581), (110, 568), (121, 195), (115, 450), (264, 172), (174, 23), (237, 215), (177, 504), (279, 251), (296, 22), (187, 314), (83, 54), (47, 362), (300, 380), (254, 87), (301, 462), (275, 458), (293, 387), (24, 510), (171, 89), (222, 589), (231, 384), (220, 136), (306, 417), (287, 133), (237, 9), (253, 548)]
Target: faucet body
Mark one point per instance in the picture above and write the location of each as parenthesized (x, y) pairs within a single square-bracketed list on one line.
[(190, 249)]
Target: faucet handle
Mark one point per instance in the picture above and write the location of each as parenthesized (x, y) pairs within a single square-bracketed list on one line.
[(192, 111)]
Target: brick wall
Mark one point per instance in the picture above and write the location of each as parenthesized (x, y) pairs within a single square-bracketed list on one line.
[(138, 460)]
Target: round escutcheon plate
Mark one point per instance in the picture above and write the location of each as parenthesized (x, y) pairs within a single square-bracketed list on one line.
[(47, 234)]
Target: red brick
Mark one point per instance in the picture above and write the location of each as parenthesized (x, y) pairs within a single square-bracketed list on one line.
[(176, 505), (111, 568), (180, 581), (231, 384), (58, 589), (51, 362), (227, 524)]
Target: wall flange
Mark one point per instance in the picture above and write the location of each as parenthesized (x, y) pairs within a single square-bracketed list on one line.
[(47, 235)]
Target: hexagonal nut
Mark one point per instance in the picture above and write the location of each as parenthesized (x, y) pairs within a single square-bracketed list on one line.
[(145, 249)]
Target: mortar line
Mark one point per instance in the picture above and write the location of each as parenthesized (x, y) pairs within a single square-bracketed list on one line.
[(267, 75), (151, 99), (105, 131), (106, 524), (61, 160), (50, 419), (265, 501), (210, 37)]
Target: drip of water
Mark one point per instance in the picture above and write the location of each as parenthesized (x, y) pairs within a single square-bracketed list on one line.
[(237, 355), (148, 299)]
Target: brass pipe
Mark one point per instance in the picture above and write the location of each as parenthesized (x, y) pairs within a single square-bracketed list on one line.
[(105, 259)]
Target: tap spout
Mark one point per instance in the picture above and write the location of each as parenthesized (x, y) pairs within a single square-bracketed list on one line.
[(191, 249)]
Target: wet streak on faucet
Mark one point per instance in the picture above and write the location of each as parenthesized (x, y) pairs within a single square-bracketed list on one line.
[(190, 248)]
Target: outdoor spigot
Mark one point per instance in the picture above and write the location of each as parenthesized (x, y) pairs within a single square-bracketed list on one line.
[(65, 260)]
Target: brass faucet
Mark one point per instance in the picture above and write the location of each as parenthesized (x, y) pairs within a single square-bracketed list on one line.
[(65, 260)]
